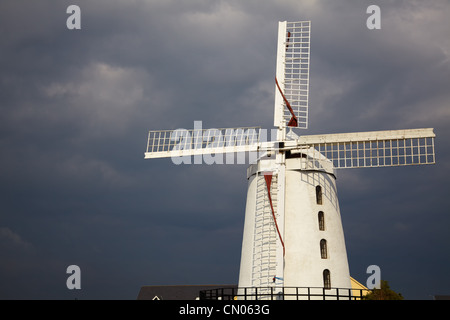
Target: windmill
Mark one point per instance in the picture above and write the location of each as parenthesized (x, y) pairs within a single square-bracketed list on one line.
[(293, 235)]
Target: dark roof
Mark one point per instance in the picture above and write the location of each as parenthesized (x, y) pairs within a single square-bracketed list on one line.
[(176, 292), (441, 297)]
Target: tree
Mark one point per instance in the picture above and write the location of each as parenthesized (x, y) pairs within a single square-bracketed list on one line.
[(384, 293)]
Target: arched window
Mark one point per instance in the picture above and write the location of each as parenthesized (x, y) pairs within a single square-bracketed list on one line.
[(321, 221), (323, 249), (326, 279), (318, 194)]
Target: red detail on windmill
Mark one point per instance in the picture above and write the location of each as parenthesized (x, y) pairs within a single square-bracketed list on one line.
[(293, 122), (268, 178), (287, 40)]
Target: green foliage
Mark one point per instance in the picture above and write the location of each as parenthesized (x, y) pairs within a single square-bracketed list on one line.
[(384, 293)]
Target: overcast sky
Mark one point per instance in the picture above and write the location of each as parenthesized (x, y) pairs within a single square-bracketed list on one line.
[(76, 106)]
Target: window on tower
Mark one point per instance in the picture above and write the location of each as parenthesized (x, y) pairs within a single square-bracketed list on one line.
[(323, 249), (326, 279), (321, 221), (319, 194)]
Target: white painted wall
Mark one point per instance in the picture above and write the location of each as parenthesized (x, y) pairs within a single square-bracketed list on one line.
[(303, 265)]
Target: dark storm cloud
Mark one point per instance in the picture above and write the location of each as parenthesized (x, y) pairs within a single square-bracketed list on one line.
[(77, 105)]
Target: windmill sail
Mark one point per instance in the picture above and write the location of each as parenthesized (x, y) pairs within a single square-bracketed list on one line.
[(343, 150), (292, 74), (375, 149), (182, 142)]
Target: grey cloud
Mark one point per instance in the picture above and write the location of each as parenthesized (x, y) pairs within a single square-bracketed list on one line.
[(77, 105)]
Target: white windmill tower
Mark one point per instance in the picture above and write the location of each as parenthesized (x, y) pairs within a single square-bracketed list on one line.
[(293, 236)]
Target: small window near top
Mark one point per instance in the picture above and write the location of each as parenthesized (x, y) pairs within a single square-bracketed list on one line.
[(319, 194)]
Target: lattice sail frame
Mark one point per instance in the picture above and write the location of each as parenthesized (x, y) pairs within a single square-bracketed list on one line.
[(182, 142), (374, 148), (292, 73)]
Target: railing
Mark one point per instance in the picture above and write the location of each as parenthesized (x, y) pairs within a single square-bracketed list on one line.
[(283, 293)]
